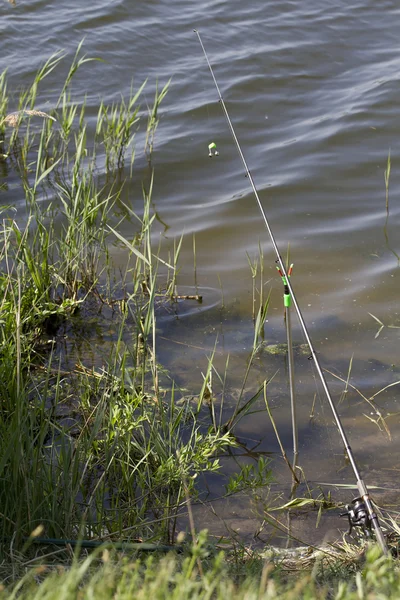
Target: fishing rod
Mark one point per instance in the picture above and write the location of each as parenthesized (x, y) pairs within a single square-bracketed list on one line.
[(362, 513), (287, 301)]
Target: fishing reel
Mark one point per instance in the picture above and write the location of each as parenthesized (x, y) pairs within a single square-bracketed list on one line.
[(357, 514)]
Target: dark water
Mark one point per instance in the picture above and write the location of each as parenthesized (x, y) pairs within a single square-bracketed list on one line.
[(312, 89)]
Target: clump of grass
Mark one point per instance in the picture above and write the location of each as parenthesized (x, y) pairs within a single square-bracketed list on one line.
[(115, 128), (115, 467), (154, 119)]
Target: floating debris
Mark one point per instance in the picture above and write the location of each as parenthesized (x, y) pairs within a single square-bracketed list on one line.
[(190, 297), (282, 349)]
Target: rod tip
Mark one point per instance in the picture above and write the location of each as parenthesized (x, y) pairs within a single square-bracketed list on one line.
[(195, 30)]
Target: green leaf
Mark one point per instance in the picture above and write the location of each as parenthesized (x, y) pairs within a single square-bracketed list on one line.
[(129, 245)]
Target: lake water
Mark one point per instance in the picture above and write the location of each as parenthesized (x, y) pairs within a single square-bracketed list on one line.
[(312, 90)]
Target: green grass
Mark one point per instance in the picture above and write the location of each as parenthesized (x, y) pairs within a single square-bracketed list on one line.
[(201, 572)]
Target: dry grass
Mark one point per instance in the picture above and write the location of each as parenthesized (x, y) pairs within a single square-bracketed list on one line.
[(13, 118)]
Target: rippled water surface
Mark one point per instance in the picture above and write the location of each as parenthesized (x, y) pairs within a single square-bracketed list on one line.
[(312, 89)]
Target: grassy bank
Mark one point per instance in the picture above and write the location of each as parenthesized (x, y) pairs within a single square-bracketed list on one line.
[(202, 572)]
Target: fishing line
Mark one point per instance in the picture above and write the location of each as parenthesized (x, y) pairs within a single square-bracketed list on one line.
[(372, 518)]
